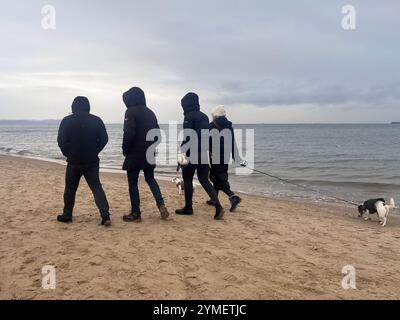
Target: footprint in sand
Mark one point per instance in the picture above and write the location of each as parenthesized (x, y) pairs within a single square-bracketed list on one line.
[(162, 260), (29, 260), (26, 233), (230, 277), (193, 281), (95, 261), (64, 265), (144, 291)]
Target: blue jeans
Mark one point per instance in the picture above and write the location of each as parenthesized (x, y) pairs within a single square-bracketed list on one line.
[(133, 177)]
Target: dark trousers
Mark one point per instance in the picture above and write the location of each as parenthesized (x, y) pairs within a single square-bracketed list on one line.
[(202, 174), (72, 178), (219, 177), (133, 177)]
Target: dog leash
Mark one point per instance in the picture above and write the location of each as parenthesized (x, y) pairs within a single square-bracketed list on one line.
[(300, 185)]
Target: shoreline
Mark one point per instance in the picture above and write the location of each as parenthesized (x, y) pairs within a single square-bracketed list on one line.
[(168, 179), (394, 213)]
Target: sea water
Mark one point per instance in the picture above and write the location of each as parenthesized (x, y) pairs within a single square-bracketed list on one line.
[(352, 161)]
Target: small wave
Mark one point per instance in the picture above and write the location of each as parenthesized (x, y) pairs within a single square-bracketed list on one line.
[(6, 149), (23, 153), (15, 152), (59, 158), (348, 184)]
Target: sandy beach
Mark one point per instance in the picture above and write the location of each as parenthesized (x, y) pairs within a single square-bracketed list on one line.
[(268, 249)]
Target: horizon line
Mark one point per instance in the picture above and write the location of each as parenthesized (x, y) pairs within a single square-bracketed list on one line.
[(237, 123)]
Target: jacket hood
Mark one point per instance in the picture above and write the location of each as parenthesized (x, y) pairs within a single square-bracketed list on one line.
[(222, 123), (190, 102), (80, 105), (134, 97)]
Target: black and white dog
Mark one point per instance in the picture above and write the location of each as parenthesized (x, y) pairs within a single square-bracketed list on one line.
[(377, 206), (179, 184)]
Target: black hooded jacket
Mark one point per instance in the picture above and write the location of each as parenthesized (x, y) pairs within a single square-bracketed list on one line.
[(224, 147), (82, 136), (194, 120), (139, 120)]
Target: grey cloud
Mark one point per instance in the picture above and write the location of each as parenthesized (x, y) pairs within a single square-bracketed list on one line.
[(271, 93), (240, 53)]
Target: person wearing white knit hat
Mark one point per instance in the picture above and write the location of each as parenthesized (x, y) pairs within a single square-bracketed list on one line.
[(219, 168), (218, 111)]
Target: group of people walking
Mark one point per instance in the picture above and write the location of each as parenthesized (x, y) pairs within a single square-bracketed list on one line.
[(82, 136)]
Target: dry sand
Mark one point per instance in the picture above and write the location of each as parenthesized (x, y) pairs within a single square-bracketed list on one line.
[(268, 249)]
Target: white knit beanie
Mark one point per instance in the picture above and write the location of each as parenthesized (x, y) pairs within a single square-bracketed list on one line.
[(218, 112)]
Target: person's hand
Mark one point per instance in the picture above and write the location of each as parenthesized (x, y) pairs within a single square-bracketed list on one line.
[(182, 160)]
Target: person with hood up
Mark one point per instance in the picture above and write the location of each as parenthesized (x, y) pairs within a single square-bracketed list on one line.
[(81, 137), (196, 121), (225, 148), (139, 120)]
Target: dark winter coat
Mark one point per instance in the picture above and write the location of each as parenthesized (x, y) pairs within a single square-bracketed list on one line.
[(197, 121), (82, 136), (226, 149), (139, 120)]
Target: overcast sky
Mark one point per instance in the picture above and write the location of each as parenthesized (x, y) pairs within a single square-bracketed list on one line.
[(266, 61)]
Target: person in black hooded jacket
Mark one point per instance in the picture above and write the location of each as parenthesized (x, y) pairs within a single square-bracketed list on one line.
[(222, 131), (139, 121), (196, 122), (81, 137)]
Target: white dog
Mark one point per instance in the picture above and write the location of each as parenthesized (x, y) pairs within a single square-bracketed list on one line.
[(179, 184), (377, 206)]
